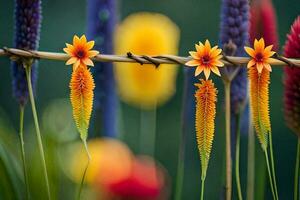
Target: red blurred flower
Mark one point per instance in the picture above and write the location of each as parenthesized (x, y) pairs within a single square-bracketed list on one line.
[(263, 22), (291, 79), (146, 181)]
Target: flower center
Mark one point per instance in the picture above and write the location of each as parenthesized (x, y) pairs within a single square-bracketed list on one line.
[(206, 59), (80, 53), (259, 57)]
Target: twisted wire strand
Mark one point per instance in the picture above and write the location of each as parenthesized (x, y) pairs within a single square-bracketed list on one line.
[(141, 59)]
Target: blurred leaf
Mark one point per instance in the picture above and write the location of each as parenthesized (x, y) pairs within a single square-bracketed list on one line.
[(10, 183)]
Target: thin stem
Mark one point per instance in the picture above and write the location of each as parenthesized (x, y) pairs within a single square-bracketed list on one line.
[(23, 151), (202, 188), (270, 174), (273, 165), (296, 181), (187, 105), (85, 170), (148, 131), (237, 157), (180, 171), (251, 160), (37, 128), (228, 145)]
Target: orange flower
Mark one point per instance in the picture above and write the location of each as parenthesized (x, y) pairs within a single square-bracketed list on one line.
[(206, 59), (206, 97), (82, 94), (261, 56), (80, 52)]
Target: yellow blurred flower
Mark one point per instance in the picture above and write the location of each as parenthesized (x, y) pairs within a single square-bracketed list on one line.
[(149, 34)]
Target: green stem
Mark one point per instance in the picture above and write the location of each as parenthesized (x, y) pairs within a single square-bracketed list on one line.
[(85, 170), (23, 151), (296, 181), (251, 161), (37, 127), (237, 157), (270, 174), (273, 165), (182, 142), (228, 145), (202, 188), (147, 132)]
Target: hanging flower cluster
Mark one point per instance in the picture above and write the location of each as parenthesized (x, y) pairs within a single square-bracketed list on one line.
[(205, 59), (82, 82), (259, 76), (206, 97)]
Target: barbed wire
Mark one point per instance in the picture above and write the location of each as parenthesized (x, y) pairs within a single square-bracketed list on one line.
[(141, 59)]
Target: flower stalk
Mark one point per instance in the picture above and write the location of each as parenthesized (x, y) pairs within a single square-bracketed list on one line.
[(27, 65), (227, 85), (237, 156), (296, 179), (186, 117), (148, 131), (23, 151)]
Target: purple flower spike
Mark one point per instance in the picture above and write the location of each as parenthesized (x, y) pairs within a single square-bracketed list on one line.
[(100, 27), (234, 35), (27, 36)]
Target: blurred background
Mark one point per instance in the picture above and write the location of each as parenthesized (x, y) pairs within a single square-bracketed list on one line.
[(197, 21)]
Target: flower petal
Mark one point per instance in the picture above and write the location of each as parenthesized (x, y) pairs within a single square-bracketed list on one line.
[(76, 40), (259, 67), (192, 63), (206, 72), (269, 54), (88, 62), (207, 44), (198, 70), (260, 45), (83, 39), (216, 52), (250, 51), (90, 45), (76, 64), (268, 48), (92, 53), (268, 67), (251, 63), (200, 48), (71, 61), (218, 63), (215, 70), (271, 60), (194, 54)]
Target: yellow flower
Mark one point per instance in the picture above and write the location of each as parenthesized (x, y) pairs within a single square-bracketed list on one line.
[(261, 56), (80, 52), (149, 34), (206, 59)]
